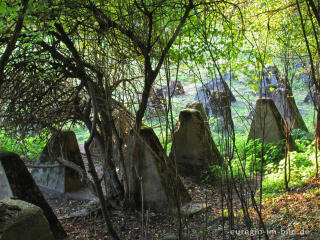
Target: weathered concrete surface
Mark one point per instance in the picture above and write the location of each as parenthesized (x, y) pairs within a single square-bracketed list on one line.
[(157, 96), (5, 189), (274, 87), (303, 73), (24, 187), (23, 221), (156, 102), (199, 107), (83, 194), (170, 236), (313, 96), (220, 106), (193, 208), (213, 96), (267, 123), (175, 89), (62, 179), (158, 179), (270, 80), (288, 109), (95, 148), (193, 149), (306, 77)]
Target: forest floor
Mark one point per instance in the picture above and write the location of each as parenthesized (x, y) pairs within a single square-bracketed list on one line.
[(293, 215)]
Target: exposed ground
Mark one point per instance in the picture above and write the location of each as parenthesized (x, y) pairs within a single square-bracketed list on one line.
[(295, 215)]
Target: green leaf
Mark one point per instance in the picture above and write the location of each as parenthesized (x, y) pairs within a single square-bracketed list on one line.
[(3, 7)]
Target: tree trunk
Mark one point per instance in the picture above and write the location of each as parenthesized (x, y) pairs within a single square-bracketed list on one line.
[(92, 170)]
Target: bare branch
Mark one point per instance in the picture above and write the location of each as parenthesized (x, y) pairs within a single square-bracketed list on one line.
[(11, 45)]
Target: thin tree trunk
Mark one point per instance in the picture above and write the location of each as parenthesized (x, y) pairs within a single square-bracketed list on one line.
[(315, 10), (92, 170), (317, 84)]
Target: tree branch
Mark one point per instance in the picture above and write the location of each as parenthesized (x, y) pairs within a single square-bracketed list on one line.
[(175, 35), (315, 10), (106, 23), (11, 45)]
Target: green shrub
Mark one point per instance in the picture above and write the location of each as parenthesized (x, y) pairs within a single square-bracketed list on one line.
[(28, 148), (302, 165), (252, 152), (211, 175), (301, 139), (248, 160)]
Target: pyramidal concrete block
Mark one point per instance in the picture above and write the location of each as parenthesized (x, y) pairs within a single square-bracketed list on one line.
[(158, 183)]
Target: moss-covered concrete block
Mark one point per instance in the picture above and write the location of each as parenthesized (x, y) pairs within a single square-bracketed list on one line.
[(21, 220), (5, 189), (267, 124), (158, 183), (193, 148), (287, 107), (63, 146)]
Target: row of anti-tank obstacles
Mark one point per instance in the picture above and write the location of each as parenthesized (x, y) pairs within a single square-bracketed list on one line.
[(216, 94), (194, 151)]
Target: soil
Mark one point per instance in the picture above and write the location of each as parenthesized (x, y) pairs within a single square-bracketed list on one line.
[(128, 223), (203, 225)]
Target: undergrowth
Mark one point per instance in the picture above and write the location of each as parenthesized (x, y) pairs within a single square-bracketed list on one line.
[(249, 155), (28, 148)]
